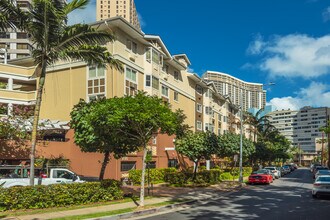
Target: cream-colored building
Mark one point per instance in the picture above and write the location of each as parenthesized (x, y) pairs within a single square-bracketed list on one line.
[(148, 66), (112, 8), (252, 94)]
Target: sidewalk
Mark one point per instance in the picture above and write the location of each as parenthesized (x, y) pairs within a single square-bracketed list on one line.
[(161, 194)]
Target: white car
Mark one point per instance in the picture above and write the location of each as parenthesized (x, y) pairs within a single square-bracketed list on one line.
[(276, 172), (321, 186)]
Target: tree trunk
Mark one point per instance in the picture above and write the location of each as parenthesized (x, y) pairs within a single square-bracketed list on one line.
[(104, 164), (36, 121), (143, 175), (195, 170)]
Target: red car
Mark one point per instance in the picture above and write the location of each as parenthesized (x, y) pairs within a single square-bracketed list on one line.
[(260, 177)]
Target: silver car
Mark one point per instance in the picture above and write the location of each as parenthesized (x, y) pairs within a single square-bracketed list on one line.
[(322, 173), (321, 186), (276, 172)]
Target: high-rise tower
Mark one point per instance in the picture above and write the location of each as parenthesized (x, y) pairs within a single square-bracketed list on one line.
[(112, 8)]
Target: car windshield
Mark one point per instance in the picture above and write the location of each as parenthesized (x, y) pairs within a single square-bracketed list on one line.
[(323, 179), (270, 168)]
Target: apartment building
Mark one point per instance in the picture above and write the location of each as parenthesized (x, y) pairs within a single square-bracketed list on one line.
[(252, 94), (302, 128), (148, 66), (111, 8), (15, 44), (283, 120)]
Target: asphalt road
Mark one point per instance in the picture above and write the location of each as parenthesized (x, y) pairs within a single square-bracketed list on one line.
[(286, 198)]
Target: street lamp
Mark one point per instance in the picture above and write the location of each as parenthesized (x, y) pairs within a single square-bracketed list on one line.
[(4, 50)]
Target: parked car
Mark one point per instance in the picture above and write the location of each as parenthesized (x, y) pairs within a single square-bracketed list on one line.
[(317, 168), (264, 171), (287, 169), (276, 172), (322, 173), (282, 170), (321, 186), (260, 178), (313, 165)]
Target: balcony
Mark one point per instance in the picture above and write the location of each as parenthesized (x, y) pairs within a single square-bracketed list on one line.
[(17, 95)]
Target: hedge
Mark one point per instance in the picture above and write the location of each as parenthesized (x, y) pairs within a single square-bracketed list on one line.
[(156, 175), (57, 195)]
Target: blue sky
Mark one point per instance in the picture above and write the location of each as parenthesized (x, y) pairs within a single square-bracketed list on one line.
[(262, 41)]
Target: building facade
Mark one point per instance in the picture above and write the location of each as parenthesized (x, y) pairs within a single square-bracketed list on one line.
[(148, 66), (112, 8), (250, 95)]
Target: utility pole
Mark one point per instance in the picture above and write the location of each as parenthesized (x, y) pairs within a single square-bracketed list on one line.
[(322, 148)]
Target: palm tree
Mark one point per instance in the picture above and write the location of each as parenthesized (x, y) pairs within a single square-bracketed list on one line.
[(259, 125), (326, 130), (54, 40)]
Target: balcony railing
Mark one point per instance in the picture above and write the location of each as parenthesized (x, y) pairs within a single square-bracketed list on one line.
[(18, 95)]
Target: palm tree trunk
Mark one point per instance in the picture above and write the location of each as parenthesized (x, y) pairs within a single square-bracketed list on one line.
[(329, 149), (36, 120), (143, 175), (104, 164)]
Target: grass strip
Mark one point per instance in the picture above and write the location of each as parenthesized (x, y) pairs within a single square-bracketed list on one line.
[(116, 212)]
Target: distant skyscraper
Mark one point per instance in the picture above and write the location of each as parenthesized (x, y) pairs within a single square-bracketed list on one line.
[(16, 42), (253, 94), (112, 8)]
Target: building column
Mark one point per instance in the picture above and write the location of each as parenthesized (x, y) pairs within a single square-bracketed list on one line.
[(10, 84), (10, 109), (208, 165)]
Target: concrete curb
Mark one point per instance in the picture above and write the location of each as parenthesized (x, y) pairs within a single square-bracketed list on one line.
[(146, 212)]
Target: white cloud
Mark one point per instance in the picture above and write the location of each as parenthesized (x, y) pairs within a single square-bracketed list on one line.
[(87, 15), (317, 94), (293, 55), (256, 46), (326, 14)]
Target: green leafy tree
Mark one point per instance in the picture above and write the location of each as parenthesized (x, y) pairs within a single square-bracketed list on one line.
[(326, 130), (54, 40), (137, 118), (92, 133), (197, 146), (230, 145)]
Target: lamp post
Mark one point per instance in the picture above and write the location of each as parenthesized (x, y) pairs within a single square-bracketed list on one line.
[(4, 50), (241, 142)]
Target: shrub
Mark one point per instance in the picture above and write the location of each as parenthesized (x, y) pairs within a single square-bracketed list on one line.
[(57, 195), (156, 175), (225, 176)]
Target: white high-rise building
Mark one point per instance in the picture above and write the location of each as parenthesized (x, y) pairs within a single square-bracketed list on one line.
[(252, 94)]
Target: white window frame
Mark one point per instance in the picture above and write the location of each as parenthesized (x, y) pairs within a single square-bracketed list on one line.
[(131, 46), (166, 89), (130, 79), (148, 80), (199, 125), (98, 95), (199, 108), (176, 96)]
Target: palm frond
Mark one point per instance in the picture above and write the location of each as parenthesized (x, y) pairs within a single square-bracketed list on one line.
[(92, 54), (80, 34), (11, 16), (75, 4)]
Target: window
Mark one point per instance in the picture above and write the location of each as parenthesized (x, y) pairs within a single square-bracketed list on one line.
[(130, 82), (172, 163), (155, 83), (165, 91), (208, 110), (199, 108), (176, 75), (176, 96), (154, 140), (148, 55), (148, 80), (22, 35), (156, 57), (132, 46), (199, 125), (209, 127), (96, 82), (22, 46), (151, 165), (165, 68), (127, 165), (199, 89)]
